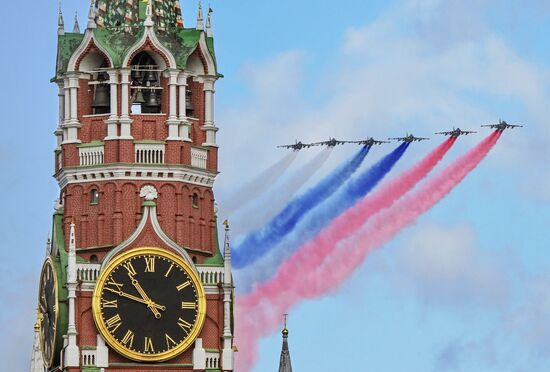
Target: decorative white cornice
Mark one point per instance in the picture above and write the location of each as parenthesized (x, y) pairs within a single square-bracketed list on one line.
[(102, 173)]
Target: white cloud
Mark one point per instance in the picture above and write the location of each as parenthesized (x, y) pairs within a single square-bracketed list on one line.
[(445, 267)]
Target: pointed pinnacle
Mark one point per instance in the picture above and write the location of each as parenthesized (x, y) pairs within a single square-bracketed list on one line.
[(91, 16), (60, 22), (200, 18), (76, 28)]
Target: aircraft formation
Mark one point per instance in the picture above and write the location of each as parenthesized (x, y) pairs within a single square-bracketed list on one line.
[(456, 132)]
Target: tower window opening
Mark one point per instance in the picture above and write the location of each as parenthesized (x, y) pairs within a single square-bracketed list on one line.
[(189, 106), (94, 197), (145, 84), (93, 259), (101, 100), (195, 200)]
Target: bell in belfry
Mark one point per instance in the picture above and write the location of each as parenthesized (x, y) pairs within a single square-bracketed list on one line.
[(189, 106), (101, 102), (151, 76), (152, 99), (137, 97)]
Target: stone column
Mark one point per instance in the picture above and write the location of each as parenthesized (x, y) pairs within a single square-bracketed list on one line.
[(209, 126), (71, 122), (185, 125), (112, 122), (125, 120), (173, 122)]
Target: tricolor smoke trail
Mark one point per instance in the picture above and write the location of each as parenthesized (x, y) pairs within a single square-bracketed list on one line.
[(261, 241), (278, 196), (316, 220), (259, 312), (312, 253), (258, 185)]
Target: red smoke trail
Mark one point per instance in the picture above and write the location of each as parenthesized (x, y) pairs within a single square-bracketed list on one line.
[(311, 254), (259, 313)]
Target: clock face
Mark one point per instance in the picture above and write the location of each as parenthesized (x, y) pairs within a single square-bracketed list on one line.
[(47, 306), (149, 305)]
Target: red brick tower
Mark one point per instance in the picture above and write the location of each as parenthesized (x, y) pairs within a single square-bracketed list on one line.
[(136, 161)]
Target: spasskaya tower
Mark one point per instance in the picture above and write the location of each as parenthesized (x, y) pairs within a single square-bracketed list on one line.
[(135, 278)]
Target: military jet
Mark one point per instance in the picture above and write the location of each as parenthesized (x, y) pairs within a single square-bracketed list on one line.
[(409, 138), (369, 142), (297, 146), (330, 143), (502, 125), (456, 132)]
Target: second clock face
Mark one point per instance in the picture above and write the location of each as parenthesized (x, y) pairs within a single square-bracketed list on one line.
[(149, 305)]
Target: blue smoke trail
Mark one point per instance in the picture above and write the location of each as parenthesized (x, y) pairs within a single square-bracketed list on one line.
[(259, 242), (278, 197), (316, 220)]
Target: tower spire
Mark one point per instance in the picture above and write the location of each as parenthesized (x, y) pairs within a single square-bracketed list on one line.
[(209, 32), (200, 18), (76, 28), (60, 22), (91, 16), (37, 362), (284, 364), (149, 14)]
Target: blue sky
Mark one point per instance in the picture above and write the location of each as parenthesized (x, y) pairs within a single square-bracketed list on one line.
[(464, 289)]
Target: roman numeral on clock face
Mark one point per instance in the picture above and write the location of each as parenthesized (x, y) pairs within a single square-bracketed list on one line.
[(130, 268), (148, 345), (113, 283), (107, 303), (113, 323), (169, 341), (188, 305), (149, 264), (185, 325), (128, 339)]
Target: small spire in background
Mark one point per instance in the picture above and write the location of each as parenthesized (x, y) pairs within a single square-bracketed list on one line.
[(60, 22), (200, 18), (209, 32), (284, 364), (91, 16), (76, 28)]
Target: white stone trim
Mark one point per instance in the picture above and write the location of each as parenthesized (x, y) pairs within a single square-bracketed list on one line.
[(88, 37), (149, 212), (150, 32), (199, 158), (91, 155), (195, 176)]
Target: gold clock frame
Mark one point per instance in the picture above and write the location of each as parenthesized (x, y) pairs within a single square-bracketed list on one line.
[(112, 342), (49, 261)]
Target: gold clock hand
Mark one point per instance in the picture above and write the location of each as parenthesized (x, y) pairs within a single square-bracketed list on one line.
[(149, 302), (131, 297)]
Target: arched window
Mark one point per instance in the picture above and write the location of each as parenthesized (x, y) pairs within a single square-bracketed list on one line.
[(194, 259), (93, 259), (94, 196), (195, 200), (145, 84)]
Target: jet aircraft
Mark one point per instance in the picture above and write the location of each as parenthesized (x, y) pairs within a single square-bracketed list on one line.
[(456, 132), (297, 146), (369, 142), (330, 143), (502, 125), (409, 138)]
